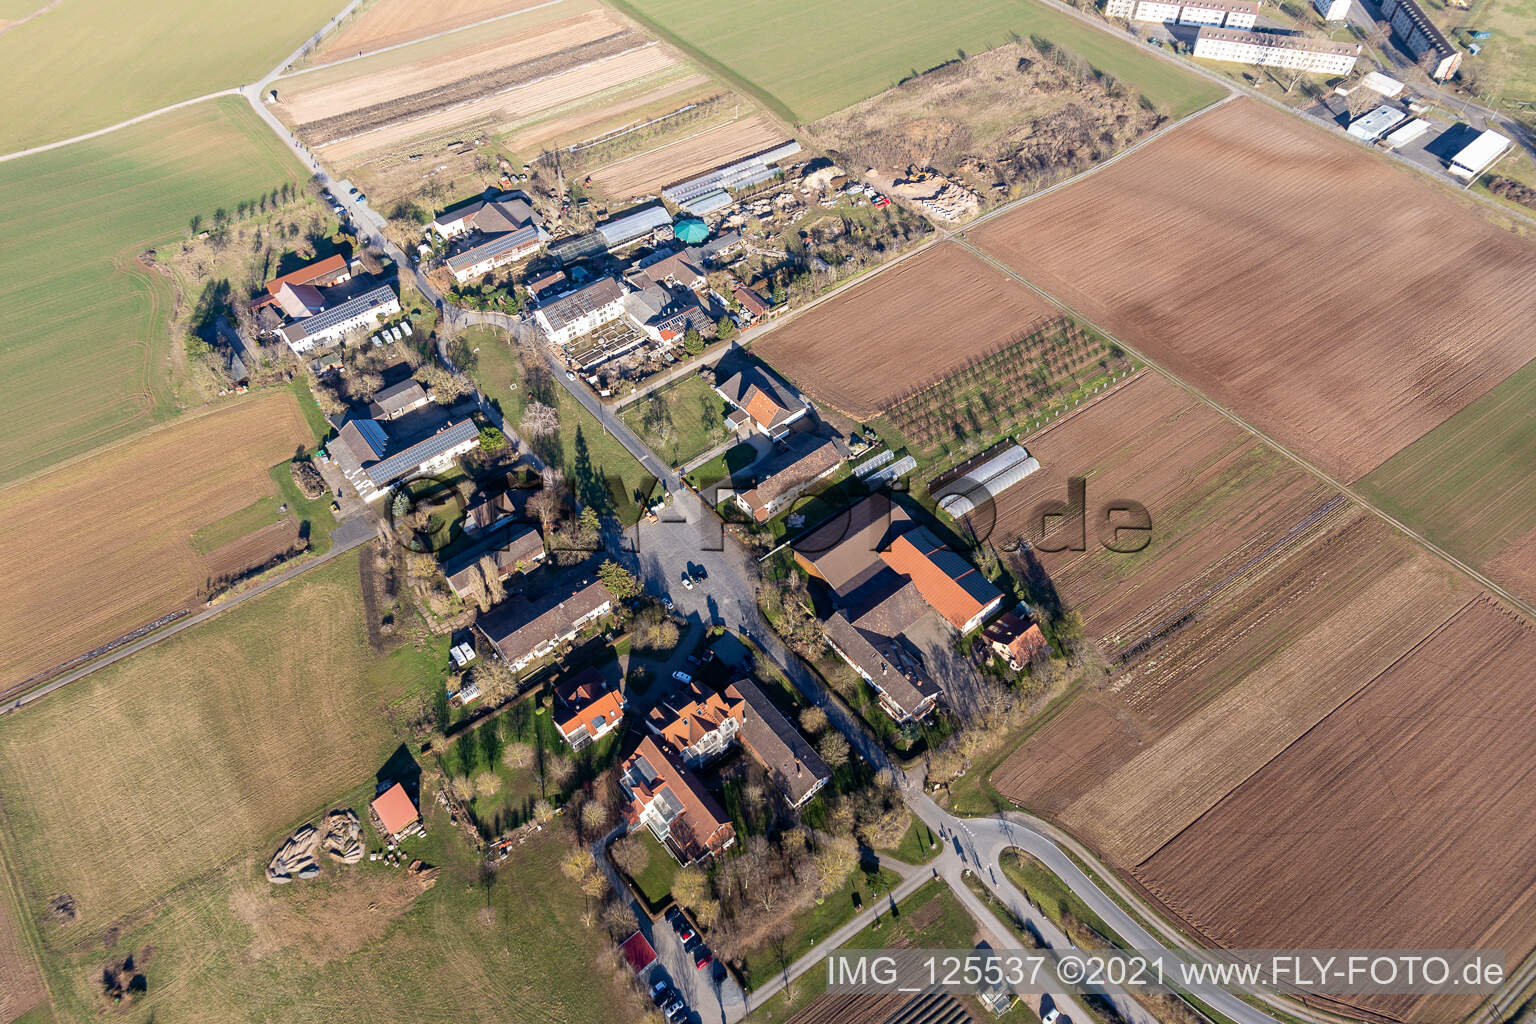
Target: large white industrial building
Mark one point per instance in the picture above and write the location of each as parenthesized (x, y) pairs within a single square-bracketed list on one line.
[(1478, 155), (1219, 13), (1271, 49)]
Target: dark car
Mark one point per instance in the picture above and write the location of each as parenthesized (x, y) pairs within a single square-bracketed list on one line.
[(661, 994)]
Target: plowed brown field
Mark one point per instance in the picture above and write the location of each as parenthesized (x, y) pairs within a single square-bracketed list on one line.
[(648, 172), (105, 544), (1397, 822), (1343, 305), (1262, 602), (908, 326), (21, 984), (391, 22)]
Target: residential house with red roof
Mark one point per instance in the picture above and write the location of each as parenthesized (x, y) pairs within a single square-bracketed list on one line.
[(589, 708), (671, 801)]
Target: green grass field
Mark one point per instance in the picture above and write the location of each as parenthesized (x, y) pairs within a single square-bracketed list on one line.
[(85, 355), (260, 513), (806, 60), (587, 453), (1469, 484), (930, 918), (680, 422), (661, 867), (87, 64)]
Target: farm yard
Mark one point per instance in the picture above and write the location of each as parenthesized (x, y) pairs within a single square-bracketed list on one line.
[(670, 160), (420, 118), (153, 522), (1000, 124), (392, 22), (806, 60), (90, 357), (1268, 264), (1470, 484), (116, 801), (196, 48), (919, 321), (1397, 807)]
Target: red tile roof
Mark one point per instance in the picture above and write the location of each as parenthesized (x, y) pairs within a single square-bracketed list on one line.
[(685, 720), (702, 827), (956, 589), (329, 267), (394, 809), (638, 952)]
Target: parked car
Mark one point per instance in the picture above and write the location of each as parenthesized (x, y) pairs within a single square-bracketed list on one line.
[(701, 574), (666, 602), (684, 930), (682, 677), (687, 580), (660, 993), (702, 957), (677, 1013), (1050, 1016), (570, 374)]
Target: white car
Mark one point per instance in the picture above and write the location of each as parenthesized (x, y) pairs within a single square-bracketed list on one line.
[(570, 374), (687, 581), (1050, 1016)]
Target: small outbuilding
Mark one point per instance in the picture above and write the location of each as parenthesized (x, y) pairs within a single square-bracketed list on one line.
[(394, 812), (638, 953), (1478, 155)]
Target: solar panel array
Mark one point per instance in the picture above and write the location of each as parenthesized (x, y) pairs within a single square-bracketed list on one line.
[(401, 463), (379, 296)]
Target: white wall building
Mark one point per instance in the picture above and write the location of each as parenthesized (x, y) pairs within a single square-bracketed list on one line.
[(1421, 36), (1332, 10), (570, 316), (332, 325), (1478, 155), (1219, 13), (1271, 49)]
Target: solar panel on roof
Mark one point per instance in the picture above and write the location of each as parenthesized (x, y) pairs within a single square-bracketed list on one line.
[(373, 433), (401, 463)]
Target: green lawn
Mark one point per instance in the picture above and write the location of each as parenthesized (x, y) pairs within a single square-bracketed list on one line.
[(860, 892), (511, 804), (680, 422), (732, 460), (87, 64), (1469, 484), (593, 460), (316, 521), (919, 844), (655, 881), (1047, 892), (807, 60), (85, 355), (261, 513), (930, 918)]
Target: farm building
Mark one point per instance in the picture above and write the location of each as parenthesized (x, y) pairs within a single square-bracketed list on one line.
[(887, 573), (393, 813), (324, 317), (1219, 13), (783, 475), (374, 455), (489, 233), (398, 399), (1015, 638), (718, 249), (590, 708), (524, 628), (774, 742), (644, 223), (1421, 36), (511, 547), (578, 247), (761, 401), (704, 190), (1478, 155), (697, 724), (1271, 49), (670, 801), (1372, 126), (1388, 86), (326, 273), (570, 316)]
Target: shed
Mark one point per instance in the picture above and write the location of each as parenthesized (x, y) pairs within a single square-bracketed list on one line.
[(1478, 155), (638, 953), (393, 810), (1372, 126), (1384, 84)]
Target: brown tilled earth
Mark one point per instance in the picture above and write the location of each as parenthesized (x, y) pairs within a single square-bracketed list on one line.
[(648, 172), (106, 541), (21, 984), (1341, 304), (1261, 603), (906, 327), (1393, 823), (390, 22)]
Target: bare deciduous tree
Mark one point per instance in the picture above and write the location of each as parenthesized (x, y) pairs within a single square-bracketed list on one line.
[(539, 420)]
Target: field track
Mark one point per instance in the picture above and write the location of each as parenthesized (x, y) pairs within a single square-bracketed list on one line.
[(1268, 265)]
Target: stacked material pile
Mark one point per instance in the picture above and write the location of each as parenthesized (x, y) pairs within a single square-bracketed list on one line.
[(343, 837), (296, 858)]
